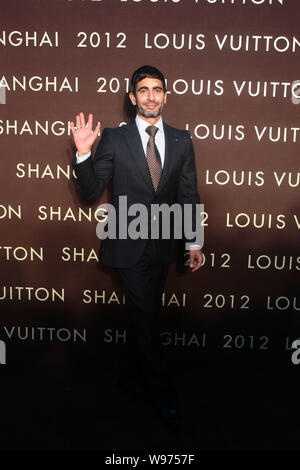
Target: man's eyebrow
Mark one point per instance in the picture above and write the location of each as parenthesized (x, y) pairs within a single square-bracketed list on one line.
[(147, 88)]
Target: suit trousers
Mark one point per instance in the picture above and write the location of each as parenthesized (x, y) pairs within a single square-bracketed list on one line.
[(143, 285)]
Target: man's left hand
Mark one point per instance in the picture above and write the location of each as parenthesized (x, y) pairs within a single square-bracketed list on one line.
[(196, 258)]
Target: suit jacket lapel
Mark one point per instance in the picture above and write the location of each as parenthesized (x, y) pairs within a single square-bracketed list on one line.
[(170, 156), (135, 146)]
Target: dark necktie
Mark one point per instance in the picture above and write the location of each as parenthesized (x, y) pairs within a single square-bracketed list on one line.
[(153, 157)]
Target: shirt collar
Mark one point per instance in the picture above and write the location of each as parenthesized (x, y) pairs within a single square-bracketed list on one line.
[(142, 124)]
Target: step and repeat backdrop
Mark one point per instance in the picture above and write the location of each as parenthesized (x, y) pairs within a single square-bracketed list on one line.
[(233, 82)]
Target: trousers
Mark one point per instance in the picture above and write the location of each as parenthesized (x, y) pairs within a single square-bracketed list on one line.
[(143, 285)]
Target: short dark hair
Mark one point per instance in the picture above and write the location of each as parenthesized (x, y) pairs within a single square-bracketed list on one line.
[(144, 72)]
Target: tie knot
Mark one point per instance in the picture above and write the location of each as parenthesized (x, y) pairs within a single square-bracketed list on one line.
[(151, 130)]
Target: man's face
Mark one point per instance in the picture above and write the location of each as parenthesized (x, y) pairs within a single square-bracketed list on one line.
[(149, 98)]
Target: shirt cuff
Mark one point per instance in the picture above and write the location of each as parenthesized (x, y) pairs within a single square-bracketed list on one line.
[(83, 157), (194, 247)]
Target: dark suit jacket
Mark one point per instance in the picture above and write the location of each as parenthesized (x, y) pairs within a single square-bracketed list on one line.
[(120, 159)]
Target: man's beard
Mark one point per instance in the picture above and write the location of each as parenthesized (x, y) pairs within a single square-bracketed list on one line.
[(151, 113)]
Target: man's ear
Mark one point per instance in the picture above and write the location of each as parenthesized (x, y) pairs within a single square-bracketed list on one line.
[(132, 98)]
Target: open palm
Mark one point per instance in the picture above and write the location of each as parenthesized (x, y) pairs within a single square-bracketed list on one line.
[(84, 135)]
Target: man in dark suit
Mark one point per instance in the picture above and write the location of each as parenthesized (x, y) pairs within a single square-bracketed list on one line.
[(150, 163)]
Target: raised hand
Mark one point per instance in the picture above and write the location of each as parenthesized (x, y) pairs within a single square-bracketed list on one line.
[(84, 136)]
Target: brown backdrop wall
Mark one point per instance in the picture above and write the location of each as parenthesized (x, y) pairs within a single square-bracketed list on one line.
[(232, 81)]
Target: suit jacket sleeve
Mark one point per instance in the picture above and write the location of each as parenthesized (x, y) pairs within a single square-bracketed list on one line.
[(94, 174), (187, 192)]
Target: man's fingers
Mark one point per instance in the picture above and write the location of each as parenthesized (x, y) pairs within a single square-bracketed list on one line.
[(72, 127), (84, 132), (90, 122), (97, 129), (82, 120), (77, 121), (195, 261), (195, 267), (95, 132), (81, 124)]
